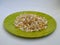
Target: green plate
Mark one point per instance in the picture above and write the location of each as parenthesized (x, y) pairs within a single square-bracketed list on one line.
[(9, 25)]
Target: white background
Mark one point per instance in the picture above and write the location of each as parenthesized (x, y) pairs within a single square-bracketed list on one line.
[(51, 7)]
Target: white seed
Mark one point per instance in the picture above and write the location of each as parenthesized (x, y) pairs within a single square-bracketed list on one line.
[(16, 25), (31, 30), (45, 27)]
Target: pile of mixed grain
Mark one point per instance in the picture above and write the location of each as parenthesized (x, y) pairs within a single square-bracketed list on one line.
[(30, 22)]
